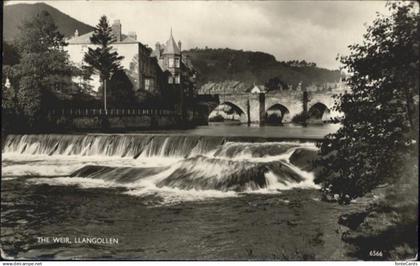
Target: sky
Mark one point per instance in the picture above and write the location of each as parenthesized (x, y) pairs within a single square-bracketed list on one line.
[(315, 31)]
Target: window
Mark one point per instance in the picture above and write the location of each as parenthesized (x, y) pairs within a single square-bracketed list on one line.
[(176, 62), (147, 84), (171, 62), (170, 80), (177, 79)]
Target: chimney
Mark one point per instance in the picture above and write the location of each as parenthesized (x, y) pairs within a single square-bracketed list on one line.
[(132, 34), (179, 45), (116, 30), (157, 49), (76, 33)]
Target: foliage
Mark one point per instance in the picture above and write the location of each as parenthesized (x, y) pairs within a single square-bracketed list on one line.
[(147, 99), (9, 97), (122, 90), (40, 35), (30, 96), (10, 54), (393, 215), (215, 65), (378, 128), (102, 59), (297, 63), (43, 72)]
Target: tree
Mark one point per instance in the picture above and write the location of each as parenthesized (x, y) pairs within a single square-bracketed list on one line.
[(30, 97), (101, 59), (122, 90), (10, 54), (43, 68), (9, 97), (379, 130)]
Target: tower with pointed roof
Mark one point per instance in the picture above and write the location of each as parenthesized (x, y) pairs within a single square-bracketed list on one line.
[(169, 57)]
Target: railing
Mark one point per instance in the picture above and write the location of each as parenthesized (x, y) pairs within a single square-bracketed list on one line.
[(89, 112)]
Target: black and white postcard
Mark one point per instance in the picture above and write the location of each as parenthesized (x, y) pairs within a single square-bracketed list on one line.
[(210, 130)]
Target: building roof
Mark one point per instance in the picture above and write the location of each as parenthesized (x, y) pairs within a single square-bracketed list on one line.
[(85, 39), (171, 47), (227, 86), (256, 89)]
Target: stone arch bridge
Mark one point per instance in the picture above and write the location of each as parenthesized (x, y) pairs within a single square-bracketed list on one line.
[(258, 107)]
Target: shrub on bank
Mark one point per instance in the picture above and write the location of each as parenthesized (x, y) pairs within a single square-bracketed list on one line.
[(392, 217), (378, 133)]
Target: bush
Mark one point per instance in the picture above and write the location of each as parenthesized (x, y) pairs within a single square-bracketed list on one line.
[(392, 216), (378, 134)]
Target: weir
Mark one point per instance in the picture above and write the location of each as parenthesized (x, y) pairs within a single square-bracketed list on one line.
[(197, 163)]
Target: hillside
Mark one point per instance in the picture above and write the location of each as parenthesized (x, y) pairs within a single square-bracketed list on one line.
[(15, 15), (226, 64)]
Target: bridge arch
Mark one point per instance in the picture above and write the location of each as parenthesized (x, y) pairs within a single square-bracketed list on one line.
[(228, 110), (277, 114), (319, 112)]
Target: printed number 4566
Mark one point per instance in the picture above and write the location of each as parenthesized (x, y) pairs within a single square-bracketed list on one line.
[(375, 253)]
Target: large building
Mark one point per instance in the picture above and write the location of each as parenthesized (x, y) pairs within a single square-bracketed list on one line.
[(162, 72), (142, 69)]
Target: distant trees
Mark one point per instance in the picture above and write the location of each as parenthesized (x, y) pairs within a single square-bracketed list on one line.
[(379, 133), (102, 59), (297, 63), (215, 65), (39, 70)]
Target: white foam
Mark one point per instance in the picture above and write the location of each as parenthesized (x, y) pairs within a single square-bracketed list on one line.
[(168, 195), (44, 165), (274, 185), (74, 181), (175, 195), (64, 165)]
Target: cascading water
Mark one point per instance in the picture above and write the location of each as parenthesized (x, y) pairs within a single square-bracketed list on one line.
[(144, 163), (110, 145)]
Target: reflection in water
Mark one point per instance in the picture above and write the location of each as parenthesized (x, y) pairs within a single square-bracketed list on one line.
[(287, 131)]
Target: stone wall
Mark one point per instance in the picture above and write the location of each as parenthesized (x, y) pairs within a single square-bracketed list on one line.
[(255, 106)]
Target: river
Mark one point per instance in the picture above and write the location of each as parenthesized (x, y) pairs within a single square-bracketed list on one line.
[(211, 193)]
